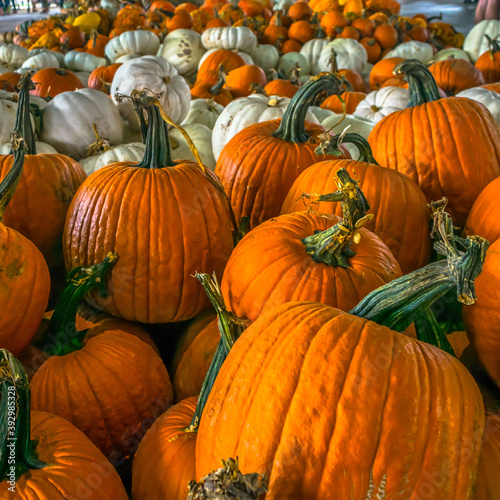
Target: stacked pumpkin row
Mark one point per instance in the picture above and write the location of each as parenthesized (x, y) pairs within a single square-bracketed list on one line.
[(135, 233)]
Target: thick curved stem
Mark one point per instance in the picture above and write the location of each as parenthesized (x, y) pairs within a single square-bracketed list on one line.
[(61, 337), (333, 246), (17, 450), (23, 117), (422, 86), (331, 146), (410, 298), (292, 126), (11, 180), (230, 328)]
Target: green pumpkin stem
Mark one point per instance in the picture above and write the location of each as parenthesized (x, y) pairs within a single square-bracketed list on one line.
[(11, 180), (409, 299), (154, 130), (62, 337), (421, 82), (333, 246), (230, 328), (292, 127), (23, 117), (17, 450), (331, 146)]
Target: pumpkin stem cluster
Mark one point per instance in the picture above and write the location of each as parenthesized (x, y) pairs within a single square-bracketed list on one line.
[(62, 337), (331, 146), (17, 450), (333, 246)]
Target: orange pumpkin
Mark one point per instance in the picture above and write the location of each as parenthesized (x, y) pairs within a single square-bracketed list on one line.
[(275, 32), (215, 91), (302, 31), (149, 285), (299, 11), (488, 482), (290, 46), (53, 458), (489, 62), (407, 142), (101, 77), (73, 38), (284, 147), (331, 21), (52, 81), (281, 87), (222, 58), (386, 35), (351, 99), (455, 75), (373, 49), (240, 81)]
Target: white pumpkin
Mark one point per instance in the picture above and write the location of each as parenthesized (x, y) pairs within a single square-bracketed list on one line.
[(183, 49), (490, 99), (475, 42), (132, 42), (311, 50), (246, 111), (240, 37), (320, 113), (412, 50), (365, 75), (451, 52), (380, 103), (204, 112), (112, 6), (156, 74), (304, 78), (81, 61), (41, 148), (350, 55), (133, 151), (282, 4), (4, 70), (202, 139), (83, 76), (266, 56), (58, 55), (41, 61), (12, 55), (8, 111), (68, 121), (288, 62), (246, 57), (127, 57)]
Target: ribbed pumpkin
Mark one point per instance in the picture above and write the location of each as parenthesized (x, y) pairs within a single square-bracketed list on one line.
[(483, 217), (24, 276), (112, 367), (406, 235), (47, 185), (455, 75), (432, 143), (290, 401), (222, 58), (53, 459), (259, 164), (489, 62), (167, 219), (309, 256), (482, 320), (488, 481), (194, 353), (52, 81), (165, 459)]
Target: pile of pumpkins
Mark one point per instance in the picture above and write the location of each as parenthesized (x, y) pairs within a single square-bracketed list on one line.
[(335, 167)]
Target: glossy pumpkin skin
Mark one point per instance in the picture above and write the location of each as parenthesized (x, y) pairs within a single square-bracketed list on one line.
[(488, 481), (52, 81), (455, 75), (382, 71), (165, 460), (239, 81), (483, 218), (489, 65), (223, 57), (301, 377), (443, 154), (482, 319), (270, 266), (246, 167), (75, 466), (101, 77), (24, 289), (42, 198), (155, 289), (193, 355), (401, 216), (112, 369), (283, 88)]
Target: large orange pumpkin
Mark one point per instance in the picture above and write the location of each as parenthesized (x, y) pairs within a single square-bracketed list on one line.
[(406, 234), (432, 143), (455, 75), (113, 367), (52, 458), (167, 219), (299, 380), (259, 164), (24, 276), (46, 187), (52, 81), (488, 482)]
